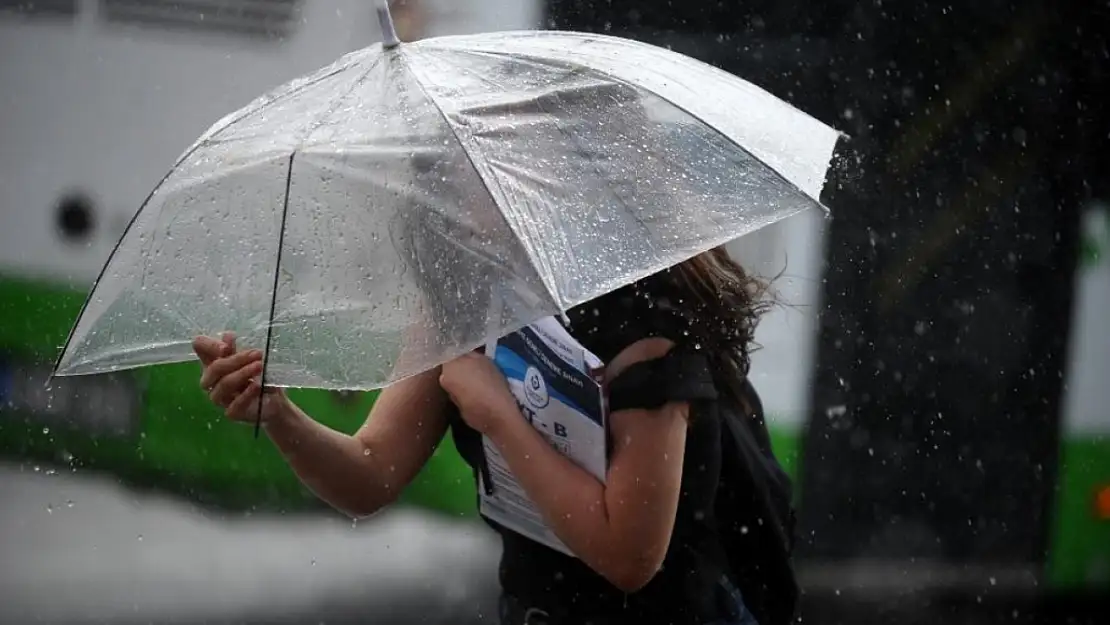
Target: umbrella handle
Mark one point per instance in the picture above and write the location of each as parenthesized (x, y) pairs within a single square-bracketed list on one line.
[(385, 20)]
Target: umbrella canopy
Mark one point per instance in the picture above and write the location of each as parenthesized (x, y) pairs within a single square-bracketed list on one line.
[(396, 208)]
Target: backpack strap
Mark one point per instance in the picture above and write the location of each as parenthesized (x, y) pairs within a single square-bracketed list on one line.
[(680, 375), (755, 514)]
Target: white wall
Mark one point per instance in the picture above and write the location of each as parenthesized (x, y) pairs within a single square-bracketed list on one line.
[(783, 366), (1087, 398)]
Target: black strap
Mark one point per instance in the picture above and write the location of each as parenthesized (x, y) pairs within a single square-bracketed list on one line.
[(754, 486), (681, 375)]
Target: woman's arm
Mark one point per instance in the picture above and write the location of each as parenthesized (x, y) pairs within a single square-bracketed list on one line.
[(361, 474), (621, 528)]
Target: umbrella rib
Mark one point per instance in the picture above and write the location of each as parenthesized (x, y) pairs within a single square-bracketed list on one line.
[(115, 250), (266, 103), (537, 100), (499, 193), (606, 75), (776, 173), (574, 140), (184, 157), (282, 228), (274, 292)]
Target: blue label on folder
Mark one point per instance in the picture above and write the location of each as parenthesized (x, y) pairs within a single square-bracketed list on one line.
[(523, 356)]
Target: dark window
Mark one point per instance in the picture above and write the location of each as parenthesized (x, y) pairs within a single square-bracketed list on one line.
[(254, 18), (64, 8), (76, 217)]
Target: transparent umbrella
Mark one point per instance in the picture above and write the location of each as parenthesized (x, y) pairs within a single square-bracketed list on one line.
[(395, 209)]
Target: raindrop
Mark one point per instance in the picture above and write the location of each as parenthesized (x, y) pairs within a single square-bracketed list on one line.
[(69, 503), (140, 538), (49, 509), (46, 430)]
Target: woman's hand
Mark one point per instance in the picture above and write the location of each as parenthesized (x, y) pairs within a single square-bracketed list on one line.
[(230, 378), (480, 391)]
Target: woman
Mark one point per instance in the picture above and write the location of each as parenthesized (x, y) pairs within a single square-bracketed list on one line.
[(676, 343)]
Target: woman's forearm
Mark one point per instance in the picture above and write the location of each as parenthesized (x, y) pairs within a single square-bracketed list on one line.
[(621, 528), (338, 468), (571, 500)]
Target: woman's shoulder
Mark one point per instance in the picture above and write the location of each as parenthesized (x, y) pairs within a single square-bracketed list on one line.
[(614, 322)]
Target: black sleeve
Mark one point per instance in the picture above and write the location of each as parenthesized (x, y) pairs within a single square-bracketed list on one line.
[(683, 374)]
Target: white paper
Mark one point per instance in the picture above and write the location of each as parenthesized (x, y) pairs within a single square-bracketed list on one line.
[(555, 382)]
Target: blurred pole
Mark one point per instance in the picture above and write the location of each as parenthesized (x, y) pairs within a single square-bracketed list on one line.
[(410, 18)]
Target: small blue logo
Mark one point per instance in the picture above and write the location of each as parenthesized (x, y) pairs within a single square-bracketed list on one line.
[(535, 389)]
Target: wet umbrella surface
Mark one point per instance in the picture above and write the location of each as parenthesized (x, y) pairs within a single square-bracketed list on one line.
[(392, 210)]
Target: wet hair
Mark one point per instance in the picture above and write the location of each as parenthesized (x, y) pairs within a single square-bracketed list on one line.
[(725, 304), (708, 303)]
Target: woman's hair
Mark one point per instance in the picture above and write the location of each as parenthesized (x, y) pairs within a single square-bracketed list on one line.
[(728, 302), (722, 305), (708, 303)]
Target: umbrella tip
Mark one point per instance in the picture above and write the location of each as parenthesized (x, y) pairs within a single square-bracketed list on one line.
[(389, 32)]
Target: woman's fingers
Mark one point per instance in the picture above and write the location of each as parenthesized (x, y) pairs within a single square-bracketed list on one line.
[(229, 342), (233, 383), (229, 376), (208, 349), (243, 407), (216, 371)]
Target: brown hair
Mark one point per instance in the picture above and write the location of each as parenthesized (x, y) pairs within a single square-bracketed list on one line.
[(722, 304)]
